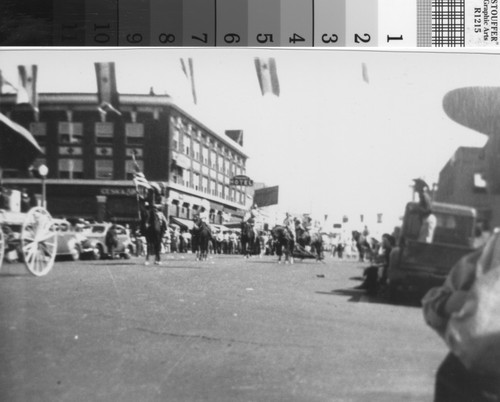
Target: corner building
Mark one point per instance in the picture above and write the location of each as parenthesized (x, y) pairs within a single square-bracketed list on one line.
[(90, 157)]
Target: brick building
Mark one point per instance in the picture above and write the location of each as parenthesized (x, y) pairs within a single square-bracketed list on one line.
[(89, 156)]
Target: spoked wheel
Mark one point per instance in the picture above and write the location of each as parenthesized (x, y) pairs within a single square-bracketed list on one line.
[(39, 241), (2, 246)]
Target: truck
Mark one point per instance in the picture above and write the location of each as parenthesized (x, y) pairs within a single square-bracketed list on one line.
[(415, 266)]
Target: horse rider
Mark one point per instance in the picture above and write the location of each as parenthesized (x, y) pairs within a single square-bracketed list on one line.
[(155, 202), (250, 217), (289, 224)]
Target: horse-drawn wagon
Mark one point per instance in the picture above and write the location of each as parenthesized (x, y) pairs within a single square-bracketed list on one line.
[(31, 234)]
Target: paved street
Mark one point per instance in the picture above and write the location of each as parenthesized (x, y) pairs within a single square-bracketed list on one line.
[(227, 329)]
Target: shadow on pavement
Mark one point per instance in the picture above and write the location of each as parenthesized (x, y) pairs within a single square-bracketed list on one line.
[(360, 296)]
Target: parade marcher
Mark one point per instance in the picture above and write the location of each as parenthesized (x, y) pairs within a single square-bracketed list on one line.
[(289, 223), (428, 219)]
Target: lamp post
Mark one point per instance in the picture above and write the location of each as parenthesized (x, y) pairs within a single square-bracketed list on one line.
[(43, 171)]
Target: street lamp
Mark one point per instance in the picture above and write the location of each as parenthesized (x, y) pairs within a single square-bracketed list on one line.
[(43, 171)]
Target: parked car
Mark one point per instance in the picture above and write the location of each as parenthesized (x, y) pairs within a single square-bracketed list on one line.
[(71, 242), (414, 266), (96, 234)]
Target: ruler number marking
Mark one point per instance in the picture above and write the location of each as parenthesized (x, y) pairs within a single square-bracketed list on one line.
[(366, 38), (204, 39), (134, 38), (166, 38), (232, 38), (296, 38), (264, 38), (329, 39), (101, 37)]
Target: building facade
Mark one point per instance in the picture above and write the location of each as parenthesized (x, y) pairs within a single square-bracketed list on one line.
[(461, 182), (90, 154)]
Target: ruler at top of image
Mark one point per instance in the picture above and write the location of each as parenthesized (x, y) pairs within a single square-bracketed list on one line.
[(251, 23)]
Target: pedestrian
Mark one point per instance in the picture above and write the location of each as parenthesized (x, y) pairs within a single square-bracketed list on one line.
[(465, 312), (111, 240), (427, 218)]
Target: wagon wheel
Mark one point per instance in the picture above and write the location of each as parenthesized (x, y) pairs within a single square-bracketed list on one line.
[(2, 246), (38, 241)]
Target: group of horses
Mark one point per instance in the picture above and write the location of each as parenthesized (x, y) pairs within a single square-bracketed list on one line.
[(153, 227)]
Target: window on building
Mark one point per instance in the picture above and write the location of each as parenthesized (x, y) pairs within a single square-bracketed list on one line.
[(130, 168), (221, 190), (220, 164), (204, 184), (175, 140), (196, 150), (196, 181), (213, 188), (104, 133), (134, 133), (70, 133), (213, 159), (233, 195), (104, 169), (480, 185), (186, 177), (39, 131), (226, 192), (70, 168), (204, 153), (186, 141)]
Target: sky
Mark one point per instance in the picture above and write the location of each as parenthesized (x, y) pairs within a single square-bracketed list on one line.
[(334, 143)]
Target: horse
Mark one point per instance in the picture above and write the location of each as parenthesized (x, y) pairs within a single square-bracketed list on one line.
[(247, 239), (312, 239), (200, 237), (284, 243), (153, 227), (362, 245)]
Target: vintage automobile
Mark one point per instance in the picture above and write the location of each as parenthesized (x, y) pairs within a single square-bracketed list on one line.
[(71, 242), (96, 234), (414, 266)]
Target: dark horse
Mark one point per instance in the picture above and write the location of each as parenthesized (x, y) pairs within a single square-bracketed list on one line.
[(153, 227), (247, 239), (284, 243), (362, 245), (314, 240), (200, 237)]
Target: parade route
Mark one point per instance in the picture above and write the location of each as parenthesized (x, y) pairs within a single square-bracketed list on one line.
[(227, 329)]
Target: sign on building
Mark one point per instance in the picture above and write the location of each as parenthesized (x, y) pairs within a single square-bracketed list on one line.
[(241, 180), (266, 196)]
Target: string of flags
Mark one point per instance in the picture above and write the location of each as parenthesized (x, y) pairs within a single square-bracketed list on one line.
[(188, 70)]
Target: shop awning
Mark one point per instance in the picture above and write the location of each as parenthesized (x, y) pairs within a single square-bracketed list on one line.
[(183, 223), (221, 228)]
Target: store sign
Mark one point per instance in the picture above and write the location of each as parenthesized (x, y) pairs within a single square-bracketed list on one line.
[(118, 191), (241, 180)]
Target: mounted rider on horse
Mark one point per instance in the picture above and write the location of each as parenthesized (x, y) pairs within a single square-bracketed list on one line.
[(153, 223)]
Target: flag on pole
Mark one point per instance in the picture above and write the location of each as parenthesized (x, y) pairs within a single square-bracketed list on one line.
[(364, 73), (26, 92), (139, 178), (267, 75), (187, 69), (5, 83), (106, 87)]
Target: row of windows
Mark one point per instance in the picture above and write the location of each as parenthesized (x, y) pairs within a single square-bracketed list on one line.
[(207, 186), (72, 133), (187, 132)]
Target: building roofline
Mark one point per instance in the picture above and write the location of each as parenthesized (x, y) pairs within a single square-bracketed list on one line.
[(85, 98)]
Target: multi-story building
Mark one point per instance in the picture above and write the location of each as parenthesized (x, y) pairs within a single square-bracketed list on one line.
[(90, 157), (461, 182)]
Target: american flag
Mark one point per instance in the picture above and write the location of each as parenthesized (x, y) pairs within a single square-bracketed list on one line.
[(139, 178)]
